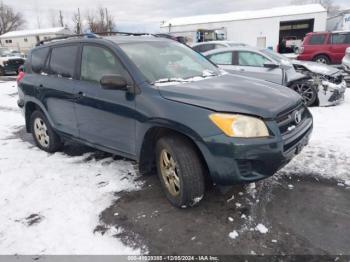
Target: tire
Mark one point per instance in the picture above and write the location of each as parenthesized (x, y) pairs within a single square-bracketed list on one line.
[(322, 59), (181, 173), (307, 92), (43, 134)]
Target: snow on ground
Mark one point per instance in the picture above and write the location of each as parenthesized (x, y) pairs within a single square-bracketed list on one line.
[(328, 153), (50, 204)]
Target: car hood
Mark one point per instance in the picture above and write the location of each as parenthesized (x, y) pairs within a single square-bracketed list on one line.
[(235, 94), (317, 67)]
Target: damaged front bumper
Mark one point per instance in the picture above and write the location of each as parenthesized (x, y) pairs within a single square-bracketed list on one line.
[(330, 94)]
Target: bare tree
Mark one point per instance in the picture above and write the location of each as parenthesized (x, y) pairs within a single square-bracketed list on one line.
[(329, 5), (100, 20), (77, 22), (9, 19), (61, 19)]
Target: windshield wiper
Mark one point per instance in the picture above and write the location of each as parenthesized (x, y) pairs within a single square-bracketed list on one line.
[(169, 80)]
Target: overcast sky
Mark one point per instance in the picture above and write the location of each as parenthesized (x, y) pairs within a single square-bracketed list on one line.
[(127, 13)]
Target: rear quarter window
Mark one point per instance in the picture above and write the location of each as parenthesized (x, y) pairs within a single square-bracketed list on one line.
[(38, 58), (317, 39)]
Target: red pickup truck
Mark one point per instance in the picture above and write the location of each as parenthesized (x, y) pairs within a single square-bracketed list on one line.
[(324, 47)]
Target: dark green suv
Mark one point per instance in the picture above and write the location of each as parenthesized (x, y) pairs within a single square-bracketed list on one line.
[(159, 102)]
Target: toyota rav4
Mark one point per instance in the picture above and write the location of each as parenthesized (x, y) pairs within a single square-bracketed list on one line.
[(159, 102)]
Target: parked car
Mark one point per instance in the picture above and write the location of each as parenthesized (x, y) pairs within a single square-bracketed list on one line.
[(330, 81), (180, 39), (251, 62), (271, 66), (9, 61), (159, 102), (346, 61), (211, 45), (324, 47)]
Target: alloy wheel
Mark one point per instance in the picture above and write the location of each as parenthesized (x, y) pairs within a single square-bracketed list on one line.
[(169, 172), (306, 91), (41, 132)]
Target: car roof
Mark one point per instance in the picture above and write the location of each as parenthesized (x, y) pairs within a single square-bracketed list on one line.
[(115, 39), (217, 42)]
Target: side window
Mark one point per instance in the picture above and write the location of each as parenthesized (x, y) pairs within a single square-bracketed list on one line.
[(62, 61), (197, 48), (38, 58), (317, 39), (222, 58), (339, 39), (207, 47), (251, 59), (217, 46), (97, 62)]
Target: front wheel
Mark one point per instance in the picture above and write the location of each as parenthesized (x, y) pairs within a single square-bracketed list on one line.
[(44, 136), (307, 92), (180, 170)]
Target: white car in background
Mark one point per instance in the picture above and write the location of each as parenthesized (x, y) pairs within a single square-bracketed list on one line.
[(346, 61), (211, 45)]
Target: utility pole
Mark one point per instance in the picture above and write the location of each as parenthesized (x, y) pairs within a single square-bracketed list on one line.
[(61, 19)]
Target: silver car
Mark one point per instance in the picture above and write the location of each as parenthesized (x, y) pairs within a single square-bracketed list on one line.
[(325, 87), (211, 45)]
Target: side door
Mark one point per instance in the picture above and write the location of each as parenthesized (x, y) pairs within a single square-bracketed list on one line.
[(105, 117), (56, 87), (339, 43), (251, 64)]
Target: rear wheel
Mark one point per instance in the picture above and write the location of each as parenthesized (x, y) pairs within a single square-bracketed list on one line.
[(44, 136), (180, 170), (322, 59), (307, 92)]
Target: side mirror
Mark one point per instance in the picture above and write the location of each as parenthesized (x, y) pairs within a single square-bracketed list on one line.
[(114, 82), (271, 65)]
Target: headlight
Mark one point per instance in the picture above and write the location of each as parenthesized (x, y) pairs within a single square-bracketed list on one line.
[(234, 125)]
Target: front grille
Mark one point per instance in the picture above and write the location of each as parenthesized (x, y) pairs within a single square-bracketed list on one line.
[(286, 121), (15, 62)]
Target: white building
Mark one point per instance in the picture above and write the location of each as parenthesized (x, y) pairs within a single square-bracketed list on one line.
[(26, 39), (261, 28), (339, 22)]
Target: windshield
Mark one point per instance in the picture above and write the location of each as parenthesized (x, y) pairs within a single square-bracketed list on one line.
[(276, 57), (169, 61)]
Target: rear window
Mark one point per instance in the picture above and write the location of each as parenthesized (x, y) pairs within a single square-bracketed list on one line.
[(204, 48), (317, 39), (38, 59), (62, 61), (340, 39)]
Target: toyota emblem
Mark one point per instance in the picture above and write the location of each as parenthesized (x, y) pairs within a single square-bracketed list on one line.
[(297, 117)]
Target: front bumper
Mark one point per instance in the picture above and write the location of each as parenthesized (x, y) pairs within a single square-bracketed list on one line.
[(238, 160), (330, 94)]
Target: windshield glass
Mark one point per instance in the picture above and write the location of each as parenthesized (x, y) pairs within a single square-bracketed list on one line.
[(5, 52), (169, 61), (276, 57)]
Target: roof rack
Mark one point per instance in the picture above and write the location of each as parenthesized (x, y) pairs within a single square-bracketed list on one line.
[(87, 35), (109, 33)]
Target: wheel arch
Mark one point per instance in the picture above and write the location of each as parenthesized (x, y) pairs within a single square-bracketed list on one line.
[(322, 54), (152, 135), (29, 108)]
